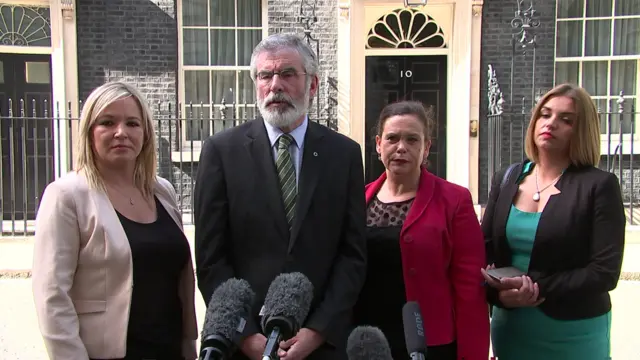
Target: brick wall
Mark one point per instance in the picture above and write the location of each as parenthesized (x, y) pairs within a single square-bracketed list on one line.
[(135, 41), (132, 40), (284, 17), (496, 50)]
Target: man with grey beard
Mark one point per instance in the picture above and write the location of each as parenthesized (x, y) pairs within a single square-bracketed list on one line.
[(283, 194)]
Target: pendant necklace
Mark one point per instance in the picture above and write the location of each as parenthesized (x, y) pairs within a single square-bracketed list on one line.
[(536, 195), (129, 197)]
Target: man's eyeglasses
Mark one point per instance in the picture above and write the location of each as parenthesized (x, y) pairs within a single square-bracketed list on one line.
[(286, 75)]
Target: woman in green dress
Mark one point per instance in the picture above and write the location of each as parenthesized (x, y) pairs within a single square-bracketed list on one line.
[(560, 220)]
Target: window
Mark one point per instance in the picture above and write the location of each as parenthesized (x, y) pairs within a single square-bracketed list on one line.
[(217, 38), (25, 26), (598, 48)]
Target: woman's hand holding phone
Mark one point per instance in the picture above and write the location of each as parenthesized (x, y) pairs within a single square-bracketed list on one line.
[(517, 291)]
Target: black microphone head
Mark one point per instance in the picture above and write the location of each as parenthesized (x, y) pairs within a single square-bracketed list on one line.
[(288, 300), (228, 309), (413, 328), (368, 343)]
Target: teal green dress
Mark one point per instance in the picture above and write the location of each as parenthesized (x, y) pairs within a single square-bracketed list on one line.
[(527, 333)]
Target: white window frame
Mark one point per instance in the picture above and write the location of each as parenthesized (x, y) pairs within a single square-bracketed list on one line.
[(189, 151), (628, 99)]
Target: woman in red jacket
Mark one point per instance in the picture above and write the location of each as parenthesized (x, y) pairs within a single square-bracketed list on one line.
[(424, 244)]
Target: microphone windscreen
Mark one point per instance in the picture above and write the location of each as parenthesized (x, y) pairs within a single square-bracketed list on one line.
[(368, 343), (413, 328), (230, 304), (289, 296)]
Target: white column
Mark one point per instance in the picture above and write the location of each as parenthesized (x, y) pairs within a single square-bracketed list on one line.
[(459, 97), (351, 74), (64, 76), (474, 113)]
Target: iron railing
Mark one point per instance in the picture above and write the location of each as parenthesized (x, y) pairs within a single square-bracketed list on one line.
[(37, 146), (619, 147)]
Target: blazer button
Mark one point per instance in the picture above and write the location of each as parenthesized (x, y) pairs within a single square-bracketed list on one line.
[(412, 271), (408, 239)]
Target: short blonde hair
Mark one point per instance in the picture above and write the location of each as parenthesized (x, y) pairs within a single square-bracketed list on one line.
[(584, 145), (98, 100)]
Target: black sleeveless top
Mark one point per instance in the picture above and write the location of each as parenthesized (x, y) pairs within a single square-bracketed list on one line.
[(160, 252)]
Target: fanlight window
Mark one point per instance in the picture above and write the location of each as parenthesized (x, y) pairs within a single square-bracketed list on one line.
[(24, 25), (405, 29)]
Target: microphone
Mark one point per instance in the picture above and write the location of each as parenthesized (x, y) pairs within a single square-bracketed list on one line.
[(225, 319), (414, 331), (286, 306), (368, 343)]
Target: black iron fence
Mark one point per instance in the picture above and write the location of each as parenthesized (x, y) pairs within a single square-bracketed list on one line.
[(37, 145), (620, 148)]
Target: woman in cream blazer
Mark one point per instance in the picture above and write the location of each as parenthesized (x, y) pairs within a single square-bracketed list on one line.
[(112, 272)]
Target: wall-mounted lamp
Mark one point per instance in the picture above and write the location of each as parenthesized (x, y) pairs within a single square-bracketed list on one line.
[(413, 3)]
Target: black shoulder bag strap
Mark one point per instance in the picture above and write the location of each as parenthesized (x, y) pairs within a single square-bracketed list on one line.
[(506, 175)]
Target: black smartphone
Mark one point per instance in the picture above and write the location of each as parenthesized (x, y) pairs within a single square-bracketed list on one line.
[(504, 272)]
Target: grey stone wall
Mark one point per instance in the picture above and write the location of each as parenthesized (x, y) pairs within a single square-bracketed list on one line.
[(496, 50)]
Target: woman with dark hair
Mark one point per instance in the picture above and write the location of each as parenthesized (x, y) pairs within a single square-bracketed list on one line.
[(559, 220), (424, 244)]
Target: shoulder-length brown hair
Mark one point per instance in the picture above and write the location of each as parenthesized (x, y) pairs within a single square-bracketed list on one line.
[(584, 145), (98, 100)]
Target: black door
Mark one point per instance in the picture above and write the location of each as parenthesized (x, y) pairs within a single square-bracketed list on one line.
[(25, 133), (395, 78)]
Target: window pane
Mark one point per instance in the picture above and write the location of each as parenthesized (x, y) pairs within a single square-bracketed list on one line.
[(223, 47), (246, 88), (196, 87), (247, 112), (570, 8), (195, 47), (247, 41), (223, 84), (37, 72), (567, 72), (194, 12), (568, 33), (197, 121), (598, 38), (595, 77), (597, 8), (223, 12), (623, 77), (627, 7), (249, 13), (626, 37)]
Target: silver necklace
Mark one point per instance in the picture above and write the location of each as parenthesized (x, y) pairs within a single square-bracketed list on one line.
[(129, 197), (536, 195)]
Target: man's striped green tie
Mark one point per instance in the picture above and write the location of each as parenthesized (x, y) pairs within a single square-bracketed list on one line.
[(287, 176)]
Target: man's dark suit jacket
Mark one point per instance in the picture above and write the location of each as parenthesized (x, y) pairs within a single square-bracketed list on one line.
[(241, 228), (577, 253)]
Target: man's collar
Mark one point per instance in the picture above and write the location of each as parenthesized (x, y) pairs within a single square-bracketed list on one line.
[(297, 133)]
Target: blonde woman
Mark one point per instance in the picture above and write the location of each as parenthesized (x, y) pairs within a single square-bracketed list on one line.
[(112, 270), (560, 221)]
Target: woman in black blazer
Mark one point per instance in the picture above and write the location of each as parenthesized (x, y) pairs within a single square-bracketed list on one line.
[(560, 220)]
